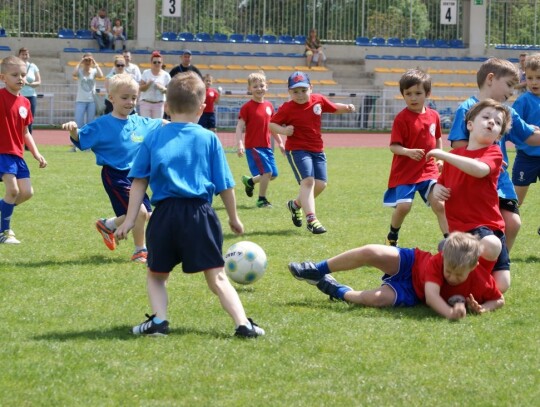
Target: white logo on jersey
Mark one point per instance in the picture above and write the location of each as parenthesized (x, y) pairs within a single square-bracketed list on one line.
[(211, 94), (432, 129), (23, 112), (317, 109), (268, 111)]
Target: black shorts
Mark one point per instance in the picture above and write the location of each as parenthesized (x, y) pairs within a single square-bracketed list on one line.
[(503, 261), (184, 231), (208, 120), (510, 205)]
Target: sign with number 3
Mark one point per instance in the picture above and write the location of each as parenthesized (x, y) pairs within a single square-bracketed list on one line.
[(449, 12), (171, 8)]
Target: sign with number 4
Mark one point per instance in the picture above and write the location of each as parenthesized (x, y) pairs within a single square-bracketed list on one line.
[(171, 8), (449, 12)]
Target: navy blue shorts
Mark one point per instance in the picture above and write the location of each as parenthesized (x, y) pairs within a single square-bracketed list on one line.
[(526, 169), (117, 185), (184, 231), (13, 164), (307, 164), (402, 281), (503, 261), (208, 120)]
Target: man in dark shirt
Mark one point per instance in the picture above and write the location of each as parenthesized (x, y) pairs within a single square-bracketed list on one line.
[(185, 65)]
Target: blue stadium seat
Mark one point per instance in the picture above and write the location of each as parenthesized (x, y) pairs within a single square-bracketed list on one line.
[(71, 49), (371, 56), (299, 39), (219, 37), (426, 43), (404, 57), (186, 36), (295, 55), (410, 42), (236, 38), (260, 54), (226, 53), (362, 41), (137, 51), (435, 58), (285, 39), (66, 33), (269, 39), (389, 57), (5, 48), (420, 58), (169, 36), (92, 50), (456, 44), (277, 54), (253, 38), (441, 44), (210, 53), (378, 41), (3, 32), (243, 54), (84, 34), (203, 37), (394, 42)]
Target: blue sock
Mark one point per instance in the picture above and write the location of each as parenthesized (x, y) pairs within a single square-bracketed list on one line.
[(6, 210), (342, 290), (156, 320), (323, 267)]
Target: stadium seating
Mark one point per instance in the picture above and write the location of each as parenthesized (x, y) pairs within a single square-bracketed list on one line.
[(456, 43), (169, 36), (219, 37), (378, 41), (269, 39), (84, 34), (253, 38), (5, 48), (3, 32), (71, 49), (236, 38), (394, 42), (362, 41), (66, 33), (441, 44), (426, 43), (285, 39), (203, 37), (410, 42), (299, 39), (186, 36)]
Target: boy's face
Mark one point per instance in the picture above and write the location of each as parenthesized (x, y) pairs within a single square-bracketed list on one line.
[(257, 89), (486, 126), (500, 89), (207, 82), (415, 97), (123, 100), (456, 276), (13, 77), (533, 80), (300, 95)]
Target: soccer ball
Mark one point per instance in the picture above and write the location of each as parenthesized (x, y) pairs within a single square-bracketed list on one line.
[(245, 262)]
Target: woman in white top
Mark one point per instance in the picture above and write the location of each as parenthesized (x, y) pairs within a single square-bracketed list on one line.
[(153, 86), (119, 67), (33, 80), (86, 72)]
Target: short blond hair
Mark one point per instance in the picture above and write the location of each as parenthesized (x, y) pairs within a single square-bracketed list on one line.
[(186, 93), (256, 76), (532, 62), (122, 80), (10, 61), (461, 250)]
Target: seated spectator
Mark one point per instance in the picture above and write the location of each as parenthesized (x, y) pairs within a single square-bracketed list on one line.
[(118, 34), (314, 50), (101, 29)]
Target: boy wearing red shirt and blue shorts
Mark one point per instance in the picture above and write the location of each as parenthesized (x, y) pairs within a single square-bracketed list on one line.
[(208, 118), (300, 120)]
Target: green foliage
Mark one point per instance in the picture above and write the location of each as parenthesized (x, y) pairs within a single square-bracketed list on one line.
[(68, 304)]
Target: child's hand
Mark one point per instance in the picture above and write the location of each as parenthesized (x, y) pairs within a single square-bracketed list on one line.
[(458, 311), (415, 154), (236, 226), (474, 306), (287, 130), (69, 126), (441, 193), (41, 160), (122, 231), (433, 153), (240, 150), (351, 108), (282, 148)]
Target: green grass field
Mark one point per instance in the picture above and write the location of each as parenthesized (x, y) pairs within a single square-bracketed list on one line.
[(68, 305)]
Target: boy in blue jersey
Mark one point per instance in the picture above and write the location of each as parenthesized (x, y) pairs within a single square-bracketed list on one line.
[(185, 166), (526, 169), (115, 139), (496, 79)]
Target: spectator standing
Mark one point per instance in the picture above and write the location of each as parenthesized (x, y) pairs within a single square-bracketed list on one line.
[(185, 65), (131, 68), (314, 50), (521, 87), (118, 34), (118, 68), (153, 86), (101, 28), (86, 72), (32, 81)]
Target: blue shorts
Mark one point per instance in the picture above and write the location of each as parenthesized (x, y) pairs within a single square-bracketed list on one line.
[(503, 261), (208, 120), (12, 164), (118, 185), (405, 193), (261, 161), (402, 281), (187, 231), (307, 164), (526, 169)]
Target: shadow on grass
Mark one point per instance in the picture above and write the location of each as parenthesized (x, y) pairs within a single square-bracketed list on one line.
[(282, 232), (528, 259), (418, 312), (93, 259), (123, 332)]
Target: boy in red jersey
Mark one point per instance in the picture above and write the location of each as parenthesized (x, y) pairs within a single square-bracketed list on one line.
[(254, 118), (449, 282), (15, 117), (415, 131), (472, 172), (300, 120), (208, 118)]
